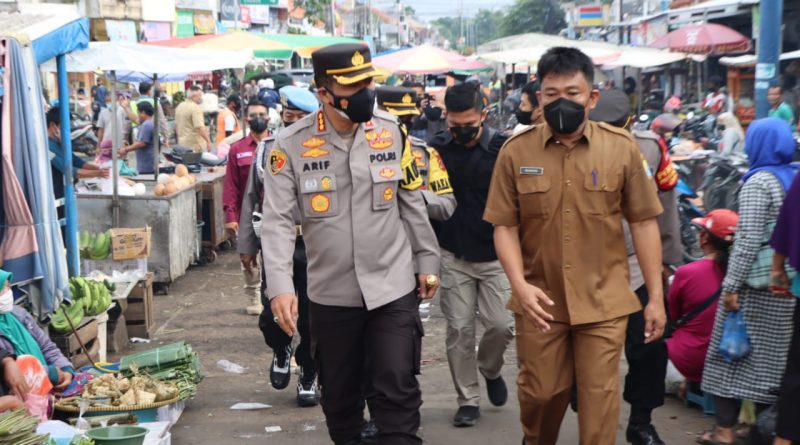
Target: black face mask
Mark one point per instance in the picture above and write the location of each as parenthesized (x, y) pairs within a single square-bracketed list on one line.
[(564, 116), (358, 107), (258, 125), (433, 113), (288, 124), (465, 135), (524, 117)]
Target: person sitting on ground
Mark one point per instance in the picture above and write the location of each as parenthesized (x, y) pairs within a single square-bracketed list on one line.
[(732, 135), (20, 335), (694, 294)]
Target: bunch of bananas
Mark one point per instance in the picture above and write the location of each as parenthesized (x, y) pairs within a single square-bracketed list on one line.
[(89, 298), (95, 246)]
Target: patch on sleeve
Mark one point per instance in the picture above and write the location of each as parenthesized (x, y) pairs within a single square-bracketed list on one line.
[(277, 161), (411, 177)]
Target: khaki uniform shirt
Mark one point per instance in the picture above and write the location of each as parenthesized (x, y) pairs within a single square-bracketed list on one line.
[(363, 216), (569, 204), (436, 188), (189, 117)]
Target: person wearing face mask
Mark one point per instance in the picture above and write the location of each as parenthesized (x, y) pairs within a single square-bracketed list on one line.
[(348, 171), (529, 113), (297, 103), (21, 335), (471, 274), (431, 120), (558, 195), (240, 159), (146, 90), (436, 188), (190, 125), (228, 119)]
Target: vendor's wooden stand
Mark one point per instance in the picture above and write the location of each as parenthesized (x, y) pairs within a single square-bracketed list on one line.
[(139, 315), (211, 208), (86, 333), (741, 84)]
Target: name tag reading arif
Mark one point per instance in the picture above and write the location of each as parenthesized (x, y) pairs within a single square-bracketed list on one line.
[(535, 171)]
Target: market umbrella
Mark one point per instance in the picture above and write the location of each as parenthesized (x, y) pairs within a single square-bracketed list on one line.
[(266, 46), (427, 59), (706, 38)]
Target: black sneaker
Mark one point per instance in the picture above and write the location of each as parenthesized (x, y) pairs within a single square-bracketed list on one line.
[(280, 371), (307, 390), (466, 416), (497, 391), (369, 434), (643, 435)]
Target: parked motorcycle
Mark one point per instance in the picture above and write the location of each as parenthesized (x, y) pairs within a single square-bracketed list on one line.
[(687, 211), (84, 140), (722, 181)]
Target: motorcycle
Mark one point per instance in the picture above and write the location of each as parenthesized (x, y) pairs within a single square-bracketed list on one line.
[(687, 211), (84, 140), (722, 181)]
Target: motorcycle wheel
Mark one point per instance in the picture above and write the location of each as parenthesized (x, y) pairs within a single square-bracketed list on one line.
[(690, 237)]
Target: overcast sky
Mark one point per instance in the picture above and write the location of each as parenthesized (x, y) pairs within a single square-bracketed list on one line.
[(429, 10)]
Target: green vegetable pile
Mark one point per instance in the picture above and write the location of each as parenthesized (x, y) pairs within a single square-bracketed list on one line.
[(18, 428), (175, 363), (81, 440), (95, 246), (89, 297)]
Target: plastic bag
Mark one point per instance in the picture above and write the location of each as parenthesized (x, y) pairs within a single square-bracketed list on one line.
[(735, 343)]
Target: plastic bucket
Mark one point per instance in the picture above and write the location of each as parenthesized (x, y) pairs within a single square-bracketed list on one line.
[(118, 435)]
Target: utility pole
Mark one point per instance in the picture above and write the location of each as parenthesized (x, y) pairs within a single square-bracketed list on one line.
[(769, 50), (398, 22)]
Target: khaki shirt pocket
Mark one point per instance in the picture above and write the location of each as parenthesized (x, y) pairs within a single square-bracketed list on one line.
[(603, 193), (318, 193), (533, 202), (385, 179)]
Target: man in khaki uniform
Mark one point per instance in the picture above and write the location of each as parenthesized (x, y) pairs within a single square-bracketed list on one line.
[(558, 195), (190, 125), (352, 175)]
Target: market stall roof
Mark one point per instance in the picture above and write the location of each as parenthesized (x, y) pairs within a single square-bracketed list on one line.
[(426, 59), (50, 34), (752, 59), (129, 57), (266, 46), (531, 55), (704, 38), (644, 58)]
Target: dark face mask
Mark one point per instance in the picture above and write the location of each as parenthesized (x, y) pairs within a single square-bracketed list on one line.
[(287, 124), (407, 121), (564, 116), (465, 135), (433, 113), (258, 125), (524, 117), (358, 107)]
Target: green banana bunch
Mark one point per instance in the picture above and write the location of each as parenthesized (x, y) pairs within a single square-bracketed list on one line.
[(59, 322), (100, 245)]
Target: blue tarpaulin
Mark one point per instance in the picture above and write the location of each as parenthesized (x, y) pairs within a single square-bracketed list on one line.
[(70, 37)]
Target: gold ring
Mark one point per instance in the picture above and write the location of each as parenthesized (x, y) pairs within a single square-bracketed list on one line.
[(432, 280)]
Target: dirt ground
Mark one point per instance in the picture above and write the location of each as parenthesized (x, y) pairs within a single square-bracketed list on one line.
[(206, 309)]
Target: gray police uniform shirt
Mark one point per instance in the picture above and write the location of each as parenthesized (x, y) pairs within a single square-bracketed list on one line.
[(363, 215), (248, 240), (668, 222), (436, 188)]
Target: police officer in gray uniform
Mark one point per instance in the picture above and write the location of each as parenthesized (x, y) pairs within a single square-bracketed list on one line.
[(351, 173)]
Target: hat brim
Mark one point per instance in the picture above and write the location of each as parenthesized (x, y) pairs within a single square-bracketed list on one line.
[(356, 76), (413, 111)]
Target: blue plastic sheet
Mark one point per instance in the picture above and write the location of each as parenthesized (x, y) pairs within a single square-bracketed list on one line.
[(71, 37)]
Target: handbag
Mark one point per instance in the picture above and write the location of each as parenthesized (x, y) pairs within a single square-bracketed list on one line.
[(759, 276), (735, 343)]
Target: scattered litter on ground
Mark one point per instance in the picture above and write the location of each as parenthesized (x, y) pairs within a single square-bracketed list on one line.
[(231, 367), (273, 429), (139, 340), (307, 427), (250, 406)]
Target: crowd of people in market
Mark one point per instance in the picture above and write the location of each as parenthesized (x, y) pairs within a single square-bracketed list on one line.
[(352, 203)]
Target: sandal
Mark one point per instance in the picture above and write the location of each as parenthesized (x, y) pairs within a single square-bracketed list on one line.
[(707, 438)]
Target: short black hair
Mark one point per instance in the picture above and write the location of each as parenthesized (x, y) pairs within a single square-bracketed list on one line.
[(463, 97), (323, 81), (254, 102), (417, 85), (775, 84), (195, 88), (562, 60), (145, 107), (235, 99), (531, 88), (407, 84), (716, 81), (53, 116), (145, 87)]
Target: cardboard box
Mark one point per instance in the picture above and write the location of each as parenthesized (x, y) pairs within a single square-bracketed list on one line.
[(130, 244)]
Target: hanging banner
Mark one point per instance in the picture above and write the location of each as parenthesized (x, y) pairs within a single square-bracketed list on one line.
[(244, 17), (227, 10), (259, 14), (590, 16), (204, 23), (155, 31), (202, 5), (121, 31), (184, 26)]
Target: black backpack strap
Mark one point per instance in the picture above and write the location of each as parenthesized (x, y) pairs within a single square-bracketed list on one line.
[(689, 316)]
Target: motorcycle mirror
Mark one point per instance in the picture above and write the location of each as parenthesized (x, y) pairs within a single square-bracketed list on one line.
[(644, 118), (690, 115)]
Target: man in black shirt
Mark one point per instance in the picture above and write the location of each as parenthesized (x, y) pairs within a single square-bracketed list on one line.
[(471, 274)]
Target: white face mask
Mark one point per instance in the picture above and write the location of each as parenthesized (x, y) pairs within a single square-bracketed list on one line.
[(6, 302)]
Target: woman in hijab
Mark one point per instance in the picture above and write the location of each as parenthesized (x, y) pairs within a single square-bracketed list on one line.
[(732, 135), (20, 335), (770, 147), (786, 242)]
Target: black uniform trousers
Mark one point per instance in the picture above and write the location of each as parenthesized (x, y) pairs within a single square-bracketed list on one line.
[(788, 426), (382, 346), (647, 363), (274, 336)]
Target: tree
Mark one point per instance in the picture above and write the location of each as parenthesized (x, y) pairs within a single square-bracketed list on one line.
[(316, 10), (533, 16), (487, 25), (409, 11), (448, 27)]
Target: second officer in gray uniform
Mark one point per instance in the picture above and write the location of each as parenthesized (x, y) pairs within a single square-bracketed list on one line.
[(354, 179)]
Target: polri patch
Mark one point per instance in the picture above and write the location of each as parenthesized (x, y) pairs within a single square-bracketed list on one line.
[(277, 160), (534, 171)]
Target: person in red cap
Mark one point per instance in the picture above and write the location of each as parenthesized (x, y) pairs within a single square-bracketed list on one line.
[(694, 294)]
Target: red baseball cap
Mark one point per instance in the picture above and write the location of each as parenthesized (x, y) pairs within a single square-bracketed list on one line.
[(720, 223)]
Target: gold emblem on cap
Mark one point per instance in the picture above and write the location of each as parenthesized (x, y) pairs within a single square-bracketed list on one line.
[(407, 99), (358, 59)]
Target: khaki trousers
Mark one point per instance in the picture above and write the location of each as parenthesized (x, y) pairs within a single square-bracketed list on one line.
[(550, 362), (252, 283), (467, 287)]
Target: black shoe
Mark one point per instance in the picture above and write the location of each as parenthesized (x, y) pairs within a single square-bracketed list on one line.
[(643, 435), (369, 434), (280, 371), (497, 391), (466, 416), (349, 442), (307, 390)]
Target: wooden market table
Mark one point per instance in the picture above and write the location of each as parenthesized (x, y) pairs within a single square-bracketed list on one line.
[(210, 207)]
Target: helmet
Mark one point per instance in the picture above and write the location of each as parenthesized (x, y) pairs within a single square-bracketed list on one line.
[(665, 123), (673, 104)]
